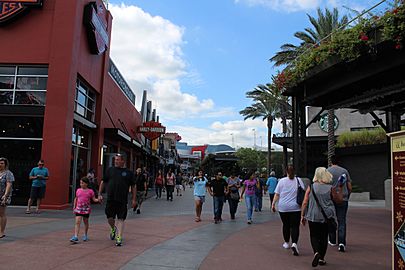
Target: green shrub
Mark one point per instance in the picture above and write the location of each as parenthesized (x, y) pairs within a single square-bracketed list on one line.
[(363, 137)]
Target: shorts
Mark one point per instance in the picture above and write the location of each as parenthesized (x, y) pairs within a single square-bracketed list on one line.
[(199, 198), (179, 186), (117, 210), (82, 215), (37, 193)]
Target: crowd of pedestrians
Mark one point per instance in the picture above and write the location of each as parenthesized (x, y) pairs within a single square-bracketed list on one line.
[(319, 208)]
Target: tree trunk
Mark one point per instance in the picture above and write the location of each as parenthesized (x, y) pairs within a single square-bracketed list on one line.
[(269, 131), (331, 135)]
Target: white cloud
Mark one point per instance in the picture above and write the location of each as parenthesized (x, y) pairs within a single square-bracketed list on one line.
[(236, 133), (148, 51), (283, 5), (168, 98), (146, 47)]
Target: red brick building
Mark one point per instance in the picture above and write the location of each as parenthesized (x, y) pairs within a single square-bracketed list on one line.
[(61, 97)]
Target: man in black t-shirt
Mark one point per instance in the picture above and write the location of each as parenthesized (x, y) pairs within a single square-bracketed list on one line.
[(218, 188), (141, 187), (118, 180)]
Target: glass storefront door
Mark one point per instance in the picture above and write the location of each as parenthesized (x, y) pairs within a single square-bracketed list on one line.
[(23, 155), (21, 144), (80, 158)]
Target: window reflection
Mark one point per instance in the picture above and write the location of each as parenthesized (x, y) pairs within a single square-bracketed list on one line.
[(28, 89), (85, 101), (30, 98), (6, 82), (6, 97), (31, 83), (80, 137), (7, 70), (32, 71)]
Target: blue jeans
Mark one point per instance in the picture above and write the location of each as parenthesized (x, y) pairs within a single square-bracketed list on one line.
[(218, 206), (249, 199), (341, 212), (258, 203)]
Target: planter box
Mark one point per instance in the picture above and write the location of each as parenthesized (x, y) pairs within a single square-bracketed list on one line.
[(360, 197)]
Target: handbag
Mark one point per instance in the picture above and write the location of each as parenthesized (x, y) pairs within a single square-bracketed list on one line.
[(300, 193), (332, 225)]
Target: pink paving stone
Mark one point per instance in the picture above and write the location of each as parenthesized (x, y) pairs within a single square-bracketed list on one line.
[(259, 246), (54, 250)]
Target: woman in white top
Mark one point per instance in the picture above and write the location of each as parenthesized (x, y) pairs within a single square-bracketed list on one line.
[(289, 210)]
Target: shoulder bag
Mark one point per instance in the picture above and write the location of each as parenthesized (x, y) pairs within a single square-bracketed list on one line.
[(300, 193), (332, 225)]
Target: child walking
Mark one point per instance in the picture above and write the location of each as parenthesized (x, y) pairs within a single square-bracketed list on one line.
[(81, 208)]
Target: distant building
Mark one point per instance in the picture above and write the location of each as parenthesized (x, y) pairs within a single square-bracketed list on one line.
[(190, 155)]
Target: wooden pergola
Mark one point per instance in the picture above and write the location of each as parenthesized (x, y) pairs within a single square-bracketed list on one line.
[(373, 82)]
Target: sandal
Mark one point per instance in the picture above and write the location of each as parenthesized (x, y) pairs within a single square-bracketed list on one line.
[(28, 212), (2, 236), (197, 219)]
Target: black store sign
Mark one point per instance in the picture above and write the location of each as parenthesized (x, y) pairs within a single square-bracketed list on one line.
[(96, 28), (11, 9)]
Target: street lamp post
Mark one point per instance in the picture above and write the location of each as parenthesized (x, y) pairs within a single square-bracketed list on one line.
[(233, 141), (254, 137)]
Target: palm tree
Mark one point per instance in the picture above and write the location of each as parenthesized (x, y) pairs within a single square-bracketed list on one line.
[(268, 104), (322, 30)]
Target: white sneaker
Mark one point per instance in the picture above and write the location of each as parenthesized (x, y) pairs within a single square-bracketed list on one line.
[(331, 244), (342, 248), (286, 245), (294, 249)]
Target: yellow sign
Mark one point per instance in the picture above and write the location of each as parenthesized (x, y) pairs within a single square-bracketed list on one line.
[(398, 144)]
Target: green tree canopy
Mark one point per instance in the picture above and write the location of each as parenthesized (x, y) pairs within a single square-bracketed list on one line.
[(251, 160)]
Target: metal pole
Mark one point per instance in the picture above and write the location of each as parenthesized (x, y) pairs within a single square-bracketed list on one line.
[(254, 139)]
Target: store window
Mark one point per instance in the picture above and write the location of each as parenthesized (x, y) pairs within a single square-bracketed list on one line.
[(23, 85), (85, 102), (21, 127)]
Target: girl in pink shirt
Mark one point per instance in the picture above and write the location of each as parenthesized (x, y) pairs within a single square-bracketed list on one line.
[(82, 209)]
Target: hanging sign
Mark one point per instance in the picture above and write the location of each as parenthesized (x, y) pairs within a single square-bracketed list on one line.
[(10, 9), (152, 130), (97, 33)]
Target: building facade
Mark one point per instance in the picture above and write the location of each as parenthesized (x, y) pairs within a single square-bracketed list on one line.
[(62, 99)]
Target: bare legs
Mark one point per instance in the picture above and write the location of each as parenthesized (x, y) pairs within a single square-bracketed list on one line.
[(3, 220), (198, 210), (78, 221), (30, 204)]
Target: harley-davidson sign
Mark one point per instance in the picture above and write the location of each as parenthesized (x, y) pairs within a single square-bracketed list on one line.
[(152, 130), (10, 9), (96, 28)]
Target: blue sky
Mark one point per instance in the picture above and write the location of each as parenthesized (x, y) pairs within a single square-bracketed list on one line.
[(198, 58)]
